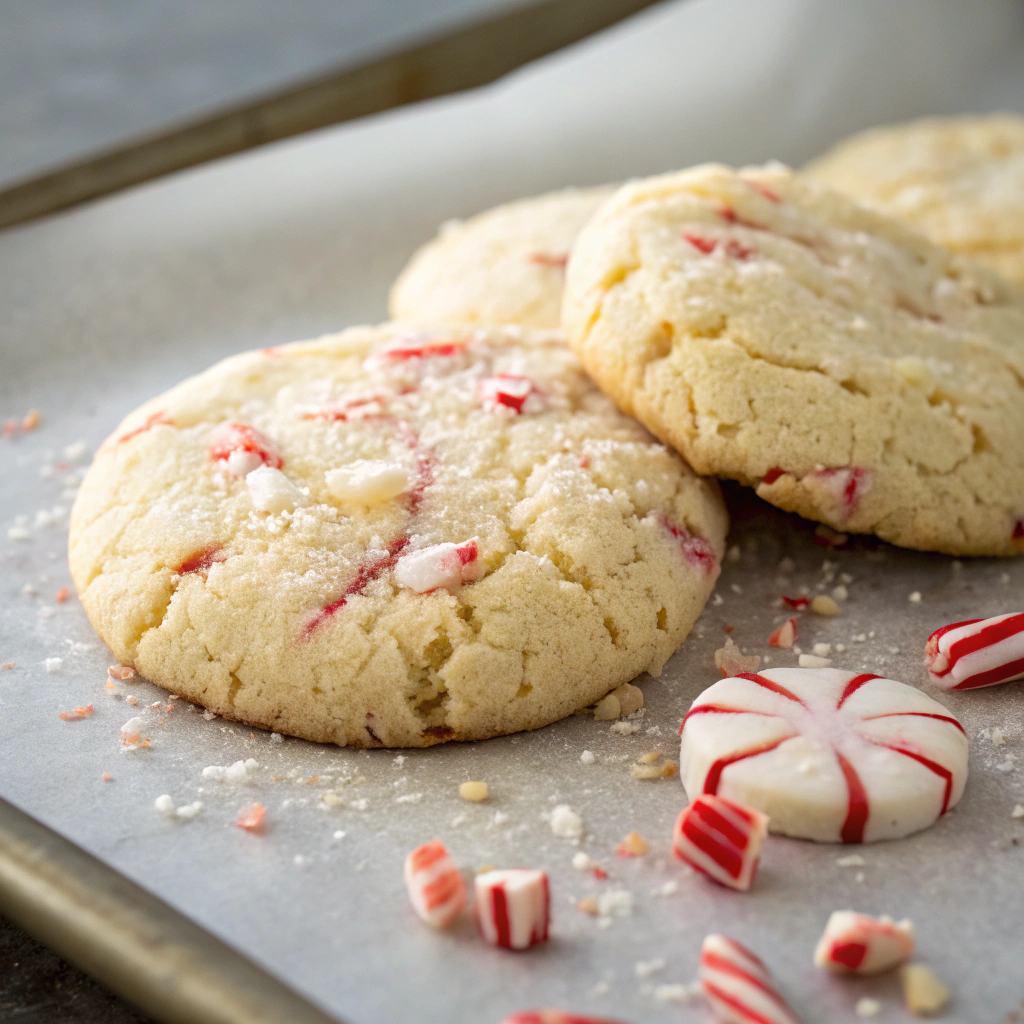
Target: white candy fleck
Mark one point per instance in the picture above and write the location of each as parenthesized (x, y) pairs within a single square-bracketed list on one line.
[(587, 757), (54, 664), (271, 491), (867, 1007), (648, 968), (615, 903), (813, 661), (368, 481), (566, 823)]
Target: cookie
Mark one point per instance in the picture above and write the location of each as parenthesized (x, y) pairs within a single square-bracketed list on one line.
[(503, 266), (380, 538), (958, 180), (776, 332)]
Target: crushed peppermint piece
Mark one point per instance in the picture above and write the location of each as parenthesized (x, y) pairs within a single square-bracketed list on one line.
[(855, 943), (435, 886), (271, 491), (513, 907), (615, 903), (582, 862), (54, 664), (164, 805), (784, 635), (240, 771), (587, 757), (252, 818)]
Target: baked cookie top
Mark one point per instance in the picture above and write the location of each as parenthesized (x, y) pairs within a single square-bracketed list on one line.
[(503, 266), (959, 180), (388, 538), (776, 332)]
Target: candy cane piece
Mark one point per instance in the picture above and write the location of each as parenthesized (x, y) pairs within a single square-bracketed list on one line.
[(860, 944), (436, 889), (829, 755), (513, 907), (738, 986), (440, 566), (977, 652), (721, 839)]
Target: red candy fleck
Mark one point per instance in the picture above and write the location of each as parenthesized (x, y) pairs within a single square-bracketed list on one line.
[(772, 475), (769, 193), (156, 419), (737, 250), (847, 484), (505, 389), (599, 873), (1018, 530), (426, 350), (729, 214), (62, 595), (201, 561), (798, 604), (705, 245), (121, 672), (229, 438), (553, 1017), (252, 818), (547, 259), (696, 550)]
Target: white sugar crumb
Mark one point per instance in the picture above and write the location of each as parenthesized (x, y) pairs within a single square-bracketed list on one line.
[(994, 735), (813, 661), (822, 650), (54, 664), (238, 772), (566, 823), (602, 988), (399, 761), (210, 716), (587, 757), (859, 877), (275, 737), (360, 805), (339, 834), (670, 888), (409, 798), (299, 861), (1018, 811), (840, 593), (1008, 764), (915, 597), (624, 728), (18, 533), (716, 600), (500, 817), (164, 804), (867, 1007), (615, 903), (582, 862), (676, 993), (853, 860), (648, 968)]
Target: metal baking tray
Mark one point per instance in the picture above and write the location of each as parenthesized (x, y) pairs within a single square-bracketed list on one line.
[(109, 304)]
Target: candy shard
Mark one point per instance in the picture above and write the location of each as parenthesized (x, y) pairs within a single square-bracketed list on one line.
[(553, 1017), (784, 635), (721, 839), (271, 491), (440, 566), (513, 907), (738, 986), (242, 448), (436, 889), (860, 944), (252, 818), (977, 652)]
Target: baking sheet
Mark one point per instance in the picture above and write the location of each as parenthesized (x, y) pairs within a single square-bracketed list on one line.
[(110, 304)]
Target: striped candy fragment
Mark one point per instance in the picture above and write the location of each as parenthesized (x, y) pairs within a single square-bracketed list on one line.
[(738, 986), (860, 944), (436, 889), (977, 652), (242, 448), (722, 839), (553, 1017), (513, 907), (830, 755)]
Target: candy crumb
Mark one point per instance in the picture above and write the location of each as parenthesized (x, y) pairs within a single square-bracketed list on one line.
[(107, 777), (923, 993), (53, 664), (582, 862), (566, 823), (813, 661), (122, 673), (867, 1007), (587, 757), (77, 713), (252, 818), (853, 860), (588, 905), (650, 757), (915, 597), (625, 728), (62, 595), (676, 993), (822, 604), (475, 792), (633, 845)]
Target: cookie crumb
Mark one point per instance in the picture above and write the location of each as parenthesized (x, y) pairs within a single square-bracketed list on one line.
[(822, 604), (633, 845), (1018, 811), (650, 757), (475, 792), (867, 1007), (813, 661), (923, 993), (588, 905), (607, 709), (587, 757), (625, 728), (730, 660)]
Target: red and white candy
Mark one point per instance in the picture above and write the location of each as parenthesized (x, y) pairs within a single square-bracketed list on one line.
[(513, 907), (721, 839), (242, 449), (860, 944), (828, 755), (738, 986), (977, 652), (440, 565), (436, 889)]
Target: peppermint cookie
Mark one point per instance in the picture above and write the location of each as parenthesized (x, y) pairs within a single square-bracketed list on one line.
[(828, 755), (380, 538), (776, 332), (958, 180), (503, 266)]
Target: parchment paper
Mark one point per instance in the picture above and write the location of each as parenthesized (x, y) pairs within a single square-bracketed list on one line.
[(105, 306)]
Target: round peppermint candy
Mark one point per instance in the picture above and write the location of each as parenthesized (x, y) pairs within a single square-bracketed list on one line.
[(828, 755)]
